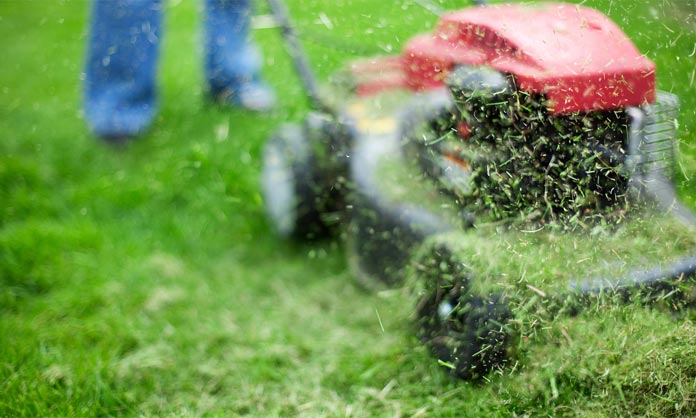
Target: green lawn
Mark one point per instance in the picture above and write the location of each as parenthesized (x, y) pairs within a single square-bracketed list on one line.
[(146, 280)]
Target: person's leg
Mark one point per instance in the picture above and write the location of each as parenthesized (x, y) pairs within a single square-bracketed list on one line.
[(121, 65), (232, 61)]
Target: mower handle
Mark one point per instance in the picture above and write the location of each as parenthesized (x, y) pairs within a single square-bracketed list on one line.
[(299, 58)]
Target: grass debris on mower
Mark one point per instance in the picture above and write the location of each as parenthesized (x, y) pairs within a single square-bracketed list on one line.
[(508, 175)]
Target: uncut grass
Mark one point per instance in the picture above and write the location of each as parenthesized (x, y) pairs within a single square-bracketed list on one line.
[(145, 281), (604, 363)]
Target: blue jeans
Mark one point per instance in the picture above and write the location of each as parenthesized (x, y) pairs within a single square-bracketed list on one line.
[(120, 96)]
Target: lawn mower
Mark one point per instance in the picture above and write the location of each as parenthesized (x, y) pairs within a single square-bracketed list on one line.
[(504, 173)]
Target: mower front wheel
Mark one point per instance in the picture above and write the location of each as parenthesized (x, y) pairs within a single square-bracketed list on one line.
[(464, 330)]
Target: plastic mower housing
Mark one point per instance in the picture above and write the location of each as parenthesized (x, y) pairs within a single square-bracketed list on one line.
[(573, 56), (479, 132)]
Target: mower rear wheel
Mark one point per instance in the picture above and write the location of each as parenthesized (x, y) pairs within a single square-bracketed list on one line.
[(293, 196)]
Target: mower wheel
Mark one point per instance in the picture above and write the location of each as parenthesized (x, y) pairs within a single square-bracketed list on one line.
[(294, 197), (463, 330)]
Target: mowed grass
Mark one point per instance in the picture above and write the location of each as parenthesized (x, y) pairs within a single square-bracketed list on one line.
[(145, 280)]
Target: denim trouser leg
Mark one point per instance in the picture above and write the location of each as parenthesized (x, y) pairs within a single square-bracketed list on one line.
[(122, 52), (231, 59)]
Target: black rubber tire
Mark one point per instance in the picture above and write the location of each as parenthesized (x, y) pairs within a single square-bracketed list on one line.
[(294, 195), (466, 332)]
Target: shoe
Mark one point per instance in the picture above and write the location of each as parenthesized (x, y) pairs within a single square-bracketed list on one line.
[(118, 142), (254, 95), (118, 124)]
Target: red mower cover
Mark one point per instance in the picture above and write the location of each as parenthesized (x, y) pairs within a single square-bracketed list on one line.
[(573, 55)]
